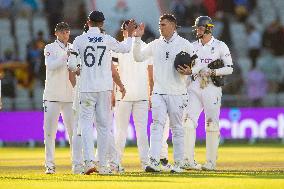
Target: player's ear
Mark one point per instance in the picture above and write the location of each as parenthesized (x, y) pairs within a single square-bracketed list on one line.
[(90, 24)]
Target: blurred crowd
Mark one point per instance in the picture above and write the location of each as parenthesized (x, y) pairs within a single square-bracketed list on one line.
[(264, 44), (264, 54)]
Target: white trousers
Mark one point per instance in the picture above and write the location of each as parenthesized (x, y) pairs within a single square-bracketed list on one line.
[(52, 111), (165, 146), (95, 106), (163, 106), (139, 110), (112, 153), (77, 150), (209, 100)]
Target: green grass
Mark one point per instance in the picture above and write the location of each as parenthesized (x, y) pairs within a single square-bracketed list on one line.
[(239, 166)]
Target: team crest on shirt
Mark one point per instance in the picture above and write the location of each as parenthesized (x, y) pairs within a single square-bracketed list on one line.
[(47, 53), (167, 55)]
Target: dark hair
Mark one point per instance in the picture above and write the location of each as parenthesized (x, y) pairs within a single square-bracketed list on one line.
[(61, 26), (169, 17), (96, 16)]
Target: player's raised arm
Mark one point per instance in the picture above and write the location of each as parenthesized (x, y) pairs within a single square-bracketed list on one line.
[(124, 46), (140, 54)]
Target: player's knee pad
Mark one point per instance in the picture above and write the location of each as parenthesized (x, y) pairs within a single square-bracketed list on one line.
[(211, 126), (189, 124)]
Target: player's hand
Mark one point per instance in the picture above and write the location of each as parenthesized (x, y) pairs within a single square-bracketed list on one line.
[(185, 69), (139, 30), (131, 27), (206, 72), (123, 92)]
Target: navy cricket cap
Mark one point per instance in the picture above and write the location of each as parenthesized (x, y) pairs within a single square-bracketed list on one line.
[(96, 16)]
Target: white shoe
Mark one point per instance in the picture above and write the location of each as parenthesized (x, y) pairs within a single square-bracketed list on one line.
[(208, 166), (90, 167), (191, 165), (177, 168), (165, 165), (153, 166), (78, 169), (117, 168), (50, 170), (104, 170)]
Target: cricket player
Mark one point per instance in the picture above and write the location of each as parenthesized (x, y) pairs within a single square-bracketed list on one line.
[(204, 94), (169, 88), (78, 167), (96, 83), (58, 93), (112, 152), (138, 81)]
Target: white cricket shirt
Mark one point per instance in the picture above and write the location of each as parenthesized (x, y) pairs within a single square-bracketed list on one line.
[(134, 77), (166, 79), (210, 52), (94, 50), (57, 84)]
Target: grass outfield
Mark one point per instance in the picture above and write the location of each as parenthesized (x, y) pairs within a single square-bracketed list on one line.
[(245, 166)]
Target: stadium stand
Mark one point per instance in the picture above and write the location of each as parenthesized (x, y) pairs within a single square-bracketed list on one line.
[(17, 35)]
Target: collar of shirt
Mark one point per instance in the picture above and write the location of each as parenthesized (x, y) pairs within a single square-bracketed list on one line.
[(171, 39), (61, 45), (94, 30), (209, 43)]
